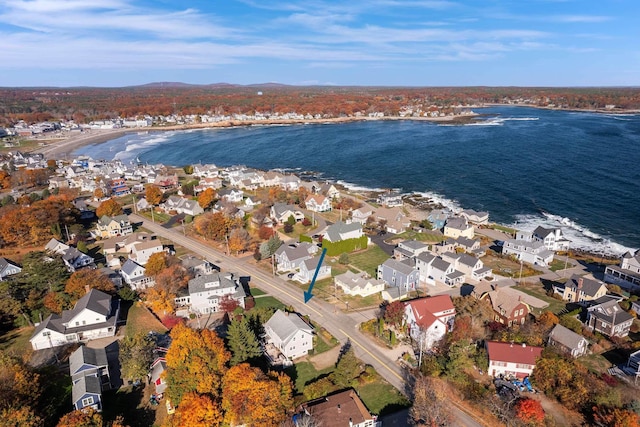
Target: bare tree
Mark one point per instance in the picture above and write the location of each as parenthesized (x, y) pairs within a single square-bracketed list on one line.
[(430, 407)]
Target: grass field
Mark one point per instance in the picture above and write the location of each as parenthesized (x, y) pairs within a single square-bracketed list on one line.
[(16, 341), (536, 290), (269, 301), (381, 397), (369, 260), (257, 292), (558, 264), (303, 373), (426, 236), (141, 320)]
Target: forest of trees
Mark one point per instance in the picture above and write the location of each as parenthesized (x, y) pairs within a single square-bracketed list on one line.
[(85, 104)]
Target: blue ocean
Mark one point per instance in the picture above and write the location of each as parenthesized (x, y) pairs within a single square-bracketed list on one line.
[(526, 167)]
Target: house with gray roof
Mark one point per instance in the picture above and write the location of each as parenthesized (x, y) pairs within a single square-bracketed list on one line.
[(87, 393), (342, 231), (432, 269), (290, 257), (288, 334), (532, 252), (568, 341), (627, 273), (359, 284), (89, 361), (8, 268), (457, 226), (207, 291), (607, 317), (308, 269), (581, 289), (475, 217), (75, 260), (182, 206), (409, 249), (133, 275), (280, 212), (399, 273), (472, 267), (94, 316), (552, 238)]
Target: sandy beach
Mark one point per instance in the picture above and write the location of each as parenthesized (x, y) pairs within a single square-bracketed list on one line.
[(61, 147)]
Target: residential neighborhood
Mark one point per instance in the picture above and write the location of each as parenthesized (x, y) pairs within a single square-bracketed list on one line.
[(232, 252)]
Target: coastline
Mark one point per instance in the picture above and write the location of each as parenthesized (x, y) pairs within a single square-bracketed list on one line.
[(574, 110), (60, 148)]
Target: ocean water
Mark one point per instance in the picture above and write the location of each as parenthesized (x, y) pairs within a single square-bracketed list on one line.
[(525, 166)]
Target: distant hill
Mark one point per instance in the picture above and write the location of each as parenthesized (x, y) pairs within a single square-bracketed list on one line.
[(220, 85)]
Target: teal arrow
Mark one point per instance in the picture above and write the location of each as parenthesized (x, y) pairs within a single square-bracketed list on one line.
[(307, 294)]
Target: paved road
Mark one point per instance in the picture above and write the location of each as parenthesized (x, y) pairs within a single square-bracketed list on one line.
[(341, 325)]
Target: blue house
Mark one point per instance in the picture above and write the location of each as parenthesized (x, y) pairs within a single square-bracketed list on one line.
[(399, 274)]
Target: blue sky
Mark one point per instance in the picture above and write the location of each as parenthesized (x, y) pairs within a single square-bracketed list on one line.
[(301, 42)]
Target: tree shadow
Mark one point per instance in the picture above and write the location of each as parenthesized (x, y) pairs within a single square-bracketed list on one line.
[(466, 289), (130, 403), (616, 356)]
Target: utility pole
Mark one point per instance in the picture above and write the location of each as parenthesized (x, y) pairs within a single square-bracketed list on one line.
[(520, 279)]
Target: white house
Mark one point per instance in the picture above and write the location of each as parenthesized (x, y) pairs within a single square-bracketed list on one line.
[(342, 231), (133, 274), (94, 316), (627, 274), (289, 334), (532, 252), (142, 250), (281, 212), (511, 360), (456, 227), (308, 268), (207, 291), (318, 203), (8, 268), (429, 319), (290, 257), (358, 284)]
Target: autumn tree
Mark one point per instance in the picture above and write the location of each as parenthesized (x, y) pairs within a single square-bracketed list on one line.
[(172, 278), (109, 207), (136, 355), (206, 198), (430, 403), (196, 362), (82, 280), (394, 313), (215, 226), (84, 418), (19, 392), (265, 232), (239, 240), (563, 379), (251, 397), (55, 302), (98, 193), (529, 411), (615, 417), (160, 300), (268, 248), (548, 320), (156, 263), (198, 410), (242, 340), (153, 194)]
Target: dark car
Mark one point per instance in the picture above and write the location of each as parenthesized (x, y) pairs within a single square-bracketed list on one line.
[(290, 275)]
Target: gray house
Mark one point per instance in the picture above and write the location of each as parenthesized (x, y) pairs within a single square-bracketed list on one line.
[(399, 274), (8, 268), (607, 317), (568, 341)]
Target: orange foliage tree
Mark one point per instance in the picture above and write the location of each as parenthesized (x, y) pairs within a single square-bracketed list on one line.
[(153, 194), (530, 411), (206, 198), (55, 302), (86, 278), (156, 263), (19, 392), (215, 226), (89, 418), (109, 207), (615, 417), (196, 362), (198, 410), (251, 397)]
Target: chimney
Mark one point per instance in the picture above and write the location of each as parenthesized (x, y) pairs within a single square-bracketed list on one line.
[(524, 345), (580, 282), (339, 408), (87, 288)]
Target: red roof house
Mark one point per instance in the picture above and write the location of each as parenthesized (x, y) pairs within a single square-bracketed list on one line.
[(509, 359)]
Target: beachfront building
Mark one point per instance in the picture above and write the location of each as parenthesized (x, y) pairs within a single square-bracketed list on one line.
[(627, 274), (458, 227), (532, 252)]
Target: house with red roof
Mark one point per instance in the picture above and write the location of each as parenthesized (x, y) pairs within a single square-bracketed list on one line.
[(511, 360), (429, 319)]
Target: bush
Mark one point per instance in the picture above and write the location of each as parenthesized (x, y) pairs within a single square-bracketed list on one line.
[(344, 259), (288, 228), (305, 238), (188, 219)]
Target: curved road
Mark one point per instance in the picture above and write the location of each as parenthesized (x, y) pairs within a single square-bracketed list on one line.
[(340, 325)]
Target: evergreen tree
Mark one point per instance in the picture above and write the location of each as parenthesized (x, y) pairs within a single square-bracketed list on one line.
[(347, 369), (242, 342)]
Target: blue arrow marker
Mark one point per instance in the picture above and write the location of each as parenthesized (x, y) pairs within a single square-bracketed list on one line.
[(307, 294)]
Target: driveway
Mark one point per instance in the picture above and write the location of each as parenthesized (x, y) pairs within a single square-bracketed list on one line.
[(380, 241)]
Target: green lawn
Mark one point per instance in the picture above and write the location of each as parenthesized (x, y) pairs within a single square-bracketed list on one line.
[(16, 341), (141, 320), (321, 343), (158, 217), (555, 305), (303, 373), (269, 301), (558, 264), (257, 292), (369, 260), (504, 229), (426, 236), (381, 397)]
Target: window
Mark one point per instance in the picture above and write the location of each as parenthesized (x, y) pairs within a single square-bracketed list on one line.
[(87, 401), (46, 333)]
